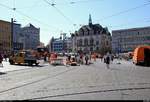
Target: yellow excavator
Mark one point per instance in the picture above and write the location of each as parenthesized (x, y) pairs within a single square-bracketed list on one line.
[(23, 57)]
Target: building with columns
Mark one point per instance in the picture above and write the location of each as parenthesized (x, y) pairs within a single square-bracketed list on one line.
[(126, 40), (92, 38)]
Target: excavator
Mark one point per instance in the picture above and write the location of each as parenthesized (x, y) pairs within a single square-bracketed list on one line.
[(23, 57)]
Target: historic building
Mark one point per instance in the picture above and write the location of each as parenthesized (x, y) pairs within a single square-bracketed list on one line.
[(31, 36), (92, 38), (5, 36), (126, 40)]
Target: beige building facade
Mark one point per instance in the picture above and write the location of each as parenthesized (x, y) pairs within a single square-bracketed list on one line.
[(92, 38), (5, 36)]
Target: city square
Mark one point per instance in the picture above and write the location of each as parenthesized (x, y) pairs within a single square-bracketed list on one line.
[(75, 50), (123, 81)]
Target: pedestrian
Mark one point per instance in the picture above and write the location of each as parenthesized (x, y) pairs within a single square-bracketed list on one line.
[(45, 56), (86, 59), (107, 61), (112, 58), (101, 57), (69, 57), (94, 56), (5, 57), (1, 59), (81, 58), (78, 59)]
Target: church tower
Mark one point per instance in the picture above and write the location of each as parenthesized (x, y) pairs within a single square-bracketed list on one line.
[(90, 20)]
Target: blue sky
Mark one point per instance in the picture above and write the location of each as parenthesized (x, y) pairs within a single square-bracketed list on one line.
[(62, 17)]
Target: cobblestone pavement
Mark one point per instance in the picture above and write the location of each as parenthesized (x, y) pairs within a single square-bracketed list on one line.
[(123, 81)]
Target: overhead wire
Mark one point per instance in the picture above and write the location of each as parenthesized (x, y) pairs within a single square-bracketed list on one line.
[(83, 1), (125, 11), (53, 5), (6, 6), (59, 11), (34, 5), (21, 13), (144, 20)]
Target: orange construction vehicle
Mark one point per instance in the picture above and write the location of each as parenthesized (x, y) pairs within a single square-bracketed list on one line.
[(40, 52), (141, 55)]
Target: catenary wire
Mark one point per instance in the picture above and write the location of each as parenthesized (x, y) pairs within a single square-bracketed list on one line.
[(116, 14), (125, 11), (53, 5), (21, 13)]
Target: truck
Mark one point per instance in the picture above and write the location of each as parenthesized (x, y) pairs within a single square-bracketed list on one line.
[(141, 55), (23, 57)]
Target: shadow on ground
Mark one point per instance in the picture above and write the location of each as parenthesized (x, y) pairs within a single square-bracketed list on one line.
[(1, 73), (30, 65)]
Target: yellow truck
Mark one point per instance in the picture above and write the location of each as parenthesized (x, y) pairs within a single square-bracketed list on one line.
[(23, 57)]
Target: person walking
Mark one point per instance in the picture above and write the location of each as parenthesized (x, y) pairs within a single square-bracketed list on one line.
[(94, 56), (81, 58), (86, 59), (107, 61), (5, 57), (45, 56), (101, 57), (1, 59)]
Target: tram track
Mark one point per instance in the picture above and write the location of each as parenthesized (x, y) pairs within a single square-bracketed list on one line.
[(22, 71), (79, 93), (37, 81), (89, 92)]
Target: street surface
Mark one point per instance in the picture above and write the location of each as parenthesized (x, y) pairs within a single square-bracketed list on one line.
[(123, 81)]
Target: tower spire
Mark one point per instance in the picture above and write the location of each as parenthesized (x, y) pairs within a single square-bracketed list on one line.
[(90, 19)]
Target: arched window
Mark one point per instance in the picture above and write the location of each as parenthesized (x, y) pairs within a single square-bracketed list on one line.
[(82, 32)]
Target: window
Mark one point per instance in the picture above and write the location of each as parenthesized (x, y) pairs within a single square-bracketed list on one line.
[(106, 43), (80, 42), (85, 42), (91, 41), (97, 42), (83, 32), (97, 48), (91, 49)]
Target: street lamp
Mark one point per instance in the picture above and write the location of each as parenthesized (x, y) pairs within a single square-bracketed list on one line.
[(12, 34)]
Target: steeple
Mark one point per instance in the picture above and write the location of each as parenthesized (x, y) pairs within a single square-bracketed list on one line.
[(90, 20)]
